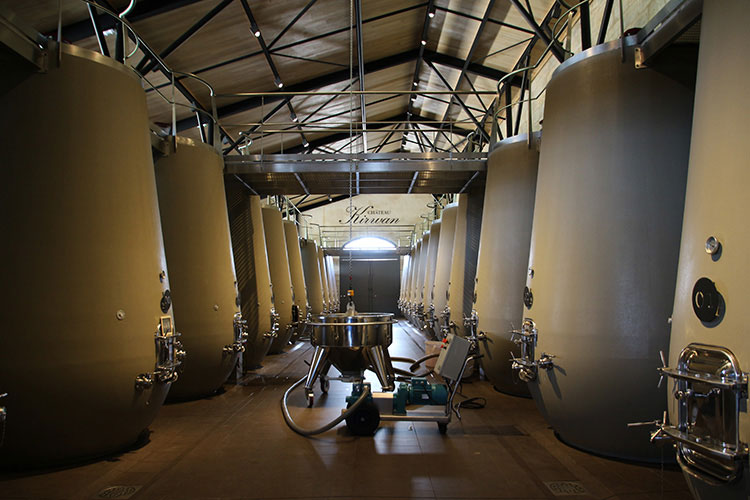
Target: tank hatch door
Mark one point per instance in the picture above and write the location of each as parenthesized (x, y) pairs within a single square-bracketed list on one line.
[(527, 366), (169, 356), (240, 335), (711, 391)]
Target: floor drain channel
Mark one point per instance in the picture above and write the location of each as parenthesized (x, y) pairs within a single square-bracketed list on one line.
[(118, 492), (566, 488)]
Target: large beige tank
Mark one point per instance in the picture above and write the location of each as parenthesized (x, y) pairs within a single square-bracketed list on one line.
[(411, 300), (281, 278), (297, 274), (84, 283), (195, 224), (504, 254), (429, 274), (309, 252), (328, 304), (443, 264), (604, 247), (419, 295), (453, 318), (405, 273), (253, 274), (713, 277)]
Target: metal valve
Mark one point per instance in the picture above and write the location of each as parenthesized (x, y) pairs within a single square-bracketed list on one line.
[(240, 336), (526, 366), (3, 411), (169, 356)]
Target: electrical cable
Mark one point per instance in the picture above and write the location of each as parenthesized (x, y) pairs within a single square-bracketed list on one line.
[(330, 425)]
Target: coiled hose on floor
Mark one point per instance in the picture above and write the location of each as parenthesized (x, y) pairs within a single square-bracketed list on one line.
[(330, 425)]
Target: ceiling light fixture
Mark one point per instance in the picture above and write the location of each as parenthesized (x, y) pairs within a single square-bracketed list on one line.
[(294, 116), (416, 83), (424, 42), (277, 81), (431, 12)]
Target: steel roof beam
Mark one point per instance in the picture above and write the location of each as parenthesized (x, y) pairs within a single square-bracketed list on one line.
[(144, 9), (490, 20), (469, 57), (475, 68), (361, 73), (557, 51), (147, 64), (460, 102)]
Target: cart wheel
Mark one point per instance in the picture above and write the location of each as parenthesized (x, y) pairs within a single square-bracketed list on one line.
[(310, 400), (365, 419), (325, 384), (443, 428)]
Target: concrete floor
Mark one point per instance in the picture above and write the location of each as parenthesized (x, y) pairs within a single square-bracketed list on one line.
[(236, 445)]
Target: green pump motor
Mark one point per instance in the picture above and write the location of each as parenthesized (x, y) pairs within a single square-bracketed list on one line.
[(416, 392)]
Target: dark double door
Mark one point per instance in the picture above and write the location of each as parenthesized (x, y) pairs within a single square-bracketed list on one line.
[(375, 281)]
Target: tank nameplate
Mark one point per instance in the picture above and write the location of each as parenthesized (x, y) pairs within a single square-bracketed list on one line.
[(708, 303)]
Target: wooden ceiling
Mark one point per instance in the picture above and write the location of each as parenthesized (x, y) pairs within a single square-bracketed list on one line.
[(311, 46)]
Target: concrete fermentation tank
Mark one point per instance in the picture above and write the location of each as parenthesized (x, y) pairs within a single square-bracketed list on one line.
[(405, 271), (87, 351), (452, 317), (327, 304), (418, 293), (604, 247), (253, 274), (443, 264), (709, 338), (297, 274), (281, 278), (411, 304), (313, 282), (429, 275), (190, 183), (504, 254)]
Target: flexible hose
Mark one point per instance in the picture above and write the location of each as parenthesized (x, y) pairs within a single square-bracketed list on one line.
[(421, 360), (330, 425)]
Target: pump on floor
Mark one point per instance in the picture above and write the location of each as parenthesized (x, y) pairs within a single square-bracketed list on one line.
[(415, 399)]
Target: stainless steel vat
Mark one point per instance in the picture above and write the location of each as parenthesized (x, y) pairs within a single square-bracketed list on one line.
[(352, 344)]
